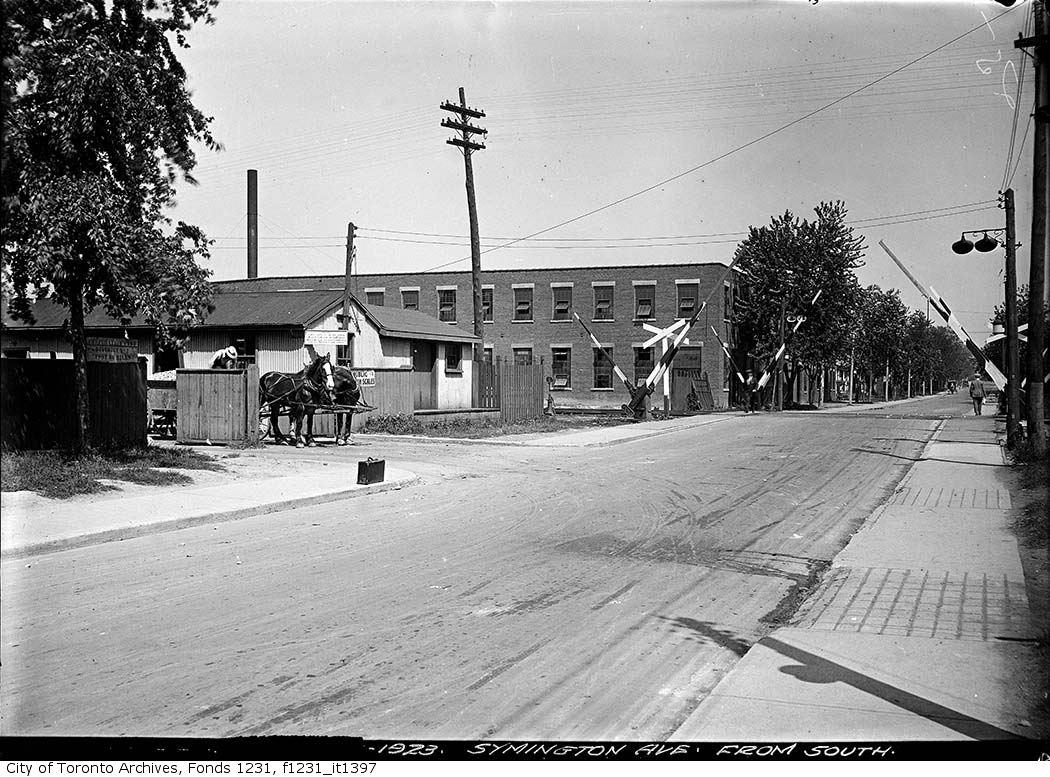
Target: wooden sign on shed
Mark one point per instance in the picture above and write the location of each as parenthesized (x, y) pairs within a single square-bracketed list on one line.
[(111, 349)]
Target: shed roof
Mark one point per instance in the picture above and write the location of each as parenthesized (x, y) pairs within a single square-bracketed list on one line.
[(264, 309), (413, 325), (51, 315)]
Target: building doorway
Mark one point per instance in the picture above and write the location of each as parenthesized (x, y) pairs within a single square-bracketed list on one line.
[(424, 357)]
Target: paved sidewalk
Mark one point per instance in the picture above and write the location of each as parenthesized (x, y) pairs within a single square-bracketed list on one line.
[(920, 629), (34, 524)]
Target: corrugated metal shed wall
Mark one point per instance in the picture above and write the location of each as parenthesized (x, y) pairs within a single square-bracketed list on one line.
[(280, 351)]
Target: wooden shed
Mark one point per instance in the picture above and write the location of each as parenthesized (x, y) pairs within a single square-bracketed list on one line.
[(405, 360)]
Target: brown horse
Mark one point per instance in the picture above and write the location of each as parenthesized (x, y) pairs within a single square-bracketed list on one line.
[(300, 392), (347, 392)]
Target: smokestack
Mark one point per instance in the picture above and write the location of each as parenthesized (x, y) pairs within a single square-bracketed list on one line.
[(253, 223)]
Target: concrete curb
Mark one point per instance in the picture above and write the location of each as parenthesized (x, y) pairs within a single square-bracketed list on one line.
[(223, 516)]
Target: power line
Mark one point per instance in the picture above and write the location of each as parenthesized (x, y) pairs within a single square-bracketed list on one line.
[(990, 203), (1020, 151), (732, 151), (1017, 105), (559, 244)]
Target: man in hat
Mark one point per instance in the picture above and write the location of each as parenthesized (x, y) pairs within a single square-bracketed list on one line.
[(977, 393), (224, 359), (752, 392)]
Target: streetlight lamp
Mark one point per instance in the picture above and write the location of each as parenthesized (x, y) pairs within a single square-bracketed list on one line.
[(989, 241)]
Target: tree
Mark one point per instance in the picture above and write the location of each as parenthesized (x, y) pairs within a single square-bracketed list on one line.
[(951, 359), (98, 126), (881, 333), (786, 263), (918, 348)]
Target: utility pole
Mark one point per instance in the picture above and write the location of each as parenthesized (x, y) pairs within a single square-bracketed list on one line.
[(1037, 276), (1012, 366), (852, 354), (780, 361), (253, 223), (466, 129), (350, 229)]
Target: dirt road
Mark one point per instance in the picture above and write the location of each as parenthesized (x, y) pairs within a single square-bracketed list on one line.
[(514, 593)]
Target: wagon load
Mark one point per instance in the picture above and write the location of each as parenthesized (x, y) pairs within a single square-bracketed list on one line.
[(161, 403)]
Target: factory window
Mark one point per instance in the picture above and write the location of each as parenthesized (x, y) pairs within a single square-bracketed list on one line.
[(523, 356), (374, 298), (645, 301), (561, 308), (687, 294), (561, 368), (486, 305), (410, 299), (446, 305), (603, 303), (523, 304), (603, 371), (643, 364)]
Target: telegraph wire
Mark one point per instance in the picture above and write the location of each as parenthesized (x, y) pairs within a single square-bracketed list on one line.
[(1020, 151), (362, 134), (1017, 101), (977, 205), (741, 147), (741, 235)]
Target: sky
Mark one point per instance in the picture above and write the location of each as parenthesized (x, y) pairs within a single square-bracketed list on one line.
[(618, 133)]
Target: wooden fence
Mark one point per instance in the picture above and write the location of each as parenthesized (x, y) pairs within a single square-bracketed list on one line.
[(485, 388), (522, 390), (38, 410), (391, 395), (219, 406)]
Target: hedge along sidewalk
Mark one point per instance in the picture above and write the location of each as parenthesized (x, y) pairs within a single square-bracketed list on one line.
[(33, 525)]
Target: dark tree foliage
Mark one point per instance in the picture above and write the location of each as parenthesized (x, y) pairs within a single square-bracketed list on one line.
[(98, 127), (785, 264)]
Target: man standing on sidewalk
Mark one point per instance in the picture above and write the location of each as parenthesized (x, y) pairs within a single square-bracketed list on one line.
[(751, 386), (977, 393)]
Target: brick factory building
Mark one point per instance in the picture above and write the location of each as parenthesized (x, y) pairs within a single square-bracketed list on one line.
[(528, 317)]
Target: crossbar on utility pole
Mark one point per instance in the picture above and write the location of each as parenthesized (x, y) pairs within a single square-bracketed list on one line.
[(466, 129)]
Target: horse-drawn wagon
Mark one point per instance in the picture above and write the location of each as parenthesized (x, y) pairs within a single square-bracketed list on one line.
[(318, 389), (161, 404)]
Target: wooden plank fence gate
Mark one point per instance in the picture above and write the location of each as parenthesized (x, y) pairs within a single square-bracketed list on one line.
[(218, 406), (518, 391)]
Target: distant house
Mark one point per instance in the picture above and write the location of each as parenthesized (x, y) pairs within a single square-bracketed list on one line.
[(416, 361)]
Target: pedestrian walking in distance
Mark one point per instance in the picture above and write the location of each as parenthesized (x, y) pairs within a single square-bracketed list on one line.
[(977, 394), (752, 392)]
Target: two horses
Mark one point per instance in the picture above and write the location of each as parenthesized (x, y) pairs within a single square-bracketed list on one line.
[(302, 392)]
